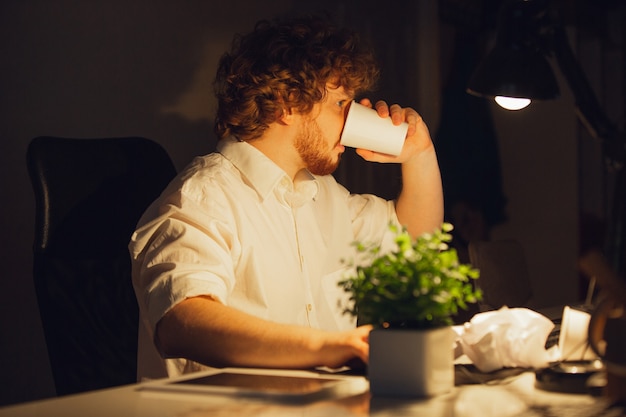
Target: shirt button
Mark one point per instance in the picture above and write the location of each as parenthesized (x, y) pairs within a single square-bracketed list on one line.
[(309, 307)]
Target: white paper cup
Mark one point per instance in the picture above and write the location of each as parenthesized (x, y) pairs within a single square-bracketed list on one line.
[(365, 129), (573, 335)]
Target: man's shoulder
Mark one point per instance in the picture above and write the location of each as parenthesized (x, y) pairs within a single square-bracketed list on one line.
[(211, 171), (208, 166)]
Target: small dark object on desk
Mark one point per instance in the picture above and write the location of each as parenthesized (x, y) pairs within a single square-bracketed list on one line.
[(466, 374), (574, 377)]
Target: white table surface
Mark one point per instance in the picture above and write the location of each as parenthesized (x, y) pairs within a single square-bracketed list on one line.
[(514, 396)]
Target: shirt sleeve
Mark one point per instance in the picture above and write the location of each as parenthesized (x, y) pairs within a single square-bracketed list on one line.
[(180, 253), (372, 217), (369, 214)]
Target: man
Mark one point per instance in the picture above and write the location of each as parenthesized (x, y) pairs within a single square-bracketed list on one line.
[(237, 263)]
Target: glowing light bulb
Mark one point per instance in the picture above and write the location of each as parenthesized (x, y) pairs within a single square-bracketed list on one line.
[(512, 103)]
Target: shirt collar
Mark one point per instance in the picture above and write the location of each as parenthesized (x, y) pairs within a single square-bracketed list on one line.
[(263, 174)]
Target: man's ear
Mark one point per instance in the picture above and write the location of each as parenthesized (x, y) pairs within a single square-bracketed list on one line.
[(287, 117)]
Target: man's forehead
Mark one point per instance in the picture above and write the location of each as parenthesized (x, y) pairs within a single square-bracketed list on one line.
[(338, 92)]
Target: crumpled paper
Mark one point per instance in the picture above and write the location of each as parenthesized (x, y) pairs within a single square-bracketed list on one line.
[(508, 337)]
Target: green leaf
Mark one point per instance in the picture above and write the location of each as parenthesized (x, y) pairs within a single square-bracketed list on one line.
[(418, 284)]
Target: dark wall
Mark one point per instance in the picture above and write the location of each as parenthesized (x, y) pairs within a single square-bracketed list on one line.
[(106, 68), (144, 67)]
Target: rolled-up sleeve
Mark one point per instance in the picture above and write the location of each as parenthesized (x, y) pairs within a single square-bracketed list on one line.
[(180, 253), (371, 217)]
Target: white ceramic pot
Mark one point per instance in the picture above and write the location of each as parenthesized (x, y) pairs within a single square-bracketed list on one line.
[(411, 363)]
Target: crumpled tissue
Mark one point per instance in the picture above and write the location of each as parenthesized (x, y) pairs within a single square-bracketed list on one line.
[(508, 337)]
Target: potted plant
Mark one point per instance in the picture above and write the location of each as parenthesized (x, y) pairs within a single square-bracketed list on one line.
[(410, 294)]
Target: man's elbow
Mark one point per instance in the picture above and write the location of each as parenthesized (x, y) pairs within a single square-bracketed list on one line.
[(181, 334)]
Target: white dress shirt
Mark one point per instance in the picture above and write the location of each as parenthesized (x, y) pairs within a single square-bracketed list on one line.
[(233, 225)]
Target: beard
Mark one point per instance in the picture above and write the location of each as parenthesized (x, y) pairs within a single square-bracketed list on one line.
[(312, 146)]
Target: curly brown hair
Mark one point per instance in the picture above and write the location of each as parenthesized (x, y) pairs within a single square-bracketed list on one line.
[(286, 64)]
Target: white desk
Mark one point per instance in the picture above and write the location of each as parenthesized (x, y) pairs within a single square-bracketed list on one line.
[(515, 396)]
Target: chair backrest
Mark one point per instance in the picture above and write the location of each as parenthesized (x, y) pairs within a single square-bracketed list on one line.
[(89, 195), (504, 277)]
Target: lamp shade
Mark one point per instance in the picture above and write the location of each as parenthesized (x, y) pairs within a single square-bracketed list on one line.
[(517, 65), (514, 72)]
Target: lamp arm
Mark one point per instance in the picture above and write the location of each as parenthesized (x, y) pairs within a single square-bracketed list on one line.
[(600, 127), (588, 109)]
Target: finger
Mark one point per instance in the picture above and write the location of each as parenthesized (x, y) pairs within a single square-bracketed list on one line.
[(366, 102), (365, 330), (362, 350), (413, 118), (397, 114), (382, 108), (364, 153), (364, 353), (373, 156)]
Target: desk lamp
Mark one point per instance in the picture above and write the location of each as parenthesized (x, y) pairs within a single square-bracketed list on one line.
[(516, 72)]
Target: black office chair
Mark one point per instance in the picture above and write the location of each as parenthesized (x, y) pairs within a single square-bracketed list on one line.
[(89, 195)]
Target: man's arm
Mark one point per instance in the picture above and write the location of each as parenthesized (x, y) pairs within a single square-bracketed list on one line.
[(209, 332), (420, 204)]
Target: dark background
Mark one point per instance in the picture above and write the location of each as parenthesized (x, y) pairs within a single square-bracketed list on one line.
[(96, 68)]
